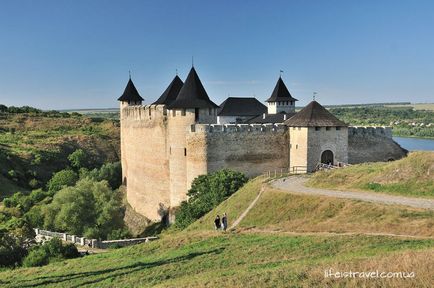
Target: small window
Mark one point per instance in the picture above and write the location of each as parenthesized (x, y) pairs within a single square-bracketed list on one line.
[(183, 112), (170, 150), (293, 128), (317, 128), (327, 128), (296, 146), (185, 151), (173, 113), (299, 128), (290, 146), (338, 128), (196, 114)]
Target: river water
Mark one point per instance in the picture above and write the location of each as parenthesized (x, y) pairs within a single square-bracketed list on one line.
[(415, 144)]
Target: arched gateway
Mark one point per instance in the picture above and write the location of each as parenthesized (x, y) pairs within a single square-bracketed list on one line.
[(327, 157)]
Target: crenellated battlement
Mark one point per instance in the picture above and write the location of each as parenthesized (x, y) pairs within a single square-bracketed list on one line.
[(366, 131), (143, 112), (236, 128)]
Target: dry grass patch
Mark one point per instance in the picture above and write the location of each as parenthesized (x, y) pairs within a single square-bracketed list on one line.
[(282, 211), (410, 176)]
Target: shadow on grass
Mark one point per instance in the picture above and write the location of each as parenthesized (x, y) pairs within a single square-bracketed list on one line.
[(107, 273)]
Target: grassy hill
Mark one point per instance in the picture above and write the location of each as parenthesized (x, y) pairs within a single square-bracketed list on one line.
[(284, 241), (34, 145), (410, 176)]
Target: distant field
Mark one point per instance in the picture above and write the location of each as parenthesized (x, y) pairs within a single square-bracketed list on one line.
[(416, 106)]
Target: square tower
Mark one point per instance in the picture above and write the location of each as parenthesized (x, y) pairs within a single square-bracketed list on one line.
[(316, 137)]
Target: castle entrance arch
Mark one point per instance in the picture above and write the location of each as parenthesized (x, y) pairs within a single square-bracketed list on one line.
[(327, 157)]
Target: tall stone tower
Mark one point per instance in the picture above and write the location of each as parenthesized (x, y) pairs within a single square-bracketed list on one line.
[(191, 106), (316, 136), (281, 100), (130, 97)]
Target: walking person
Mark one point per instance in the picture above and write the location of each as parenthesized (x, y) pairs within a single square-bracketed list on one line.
[(224, 222), (217, 223)]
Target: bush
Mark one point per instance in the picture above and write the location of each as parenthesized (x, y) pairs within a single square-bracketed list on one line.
[(89, 208), (11, 251), (78, 159), (49, 251), (206, 192), (36, 257), (61, 179), (111, 172)]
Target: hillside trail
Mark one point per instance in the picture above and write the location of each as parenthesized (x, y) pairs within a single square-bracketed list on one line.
[(296, 185), (325, 233), (236, 222)]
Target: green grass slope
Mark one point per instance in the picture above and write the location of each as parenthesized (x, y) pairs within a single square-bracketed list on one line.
[(230, 260), (410, 176), (201, 257), (33, 146)]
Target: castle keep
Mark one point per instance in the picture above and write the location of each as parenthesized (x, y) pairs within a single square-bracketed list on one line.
[(183, 134)]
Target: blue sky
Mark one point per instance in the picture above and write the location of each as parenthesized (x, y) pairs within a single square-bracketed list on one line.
[(76, 54)]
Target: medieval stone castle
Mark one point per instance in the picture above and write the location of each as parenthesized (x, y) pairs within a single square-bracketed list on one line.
[(183, 134)]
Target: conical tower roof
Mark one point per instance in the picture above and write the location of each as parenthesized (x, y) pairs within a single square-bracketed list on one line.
[(130, 93), (280, 93), (192, 94), (169, 95), (314, 115)]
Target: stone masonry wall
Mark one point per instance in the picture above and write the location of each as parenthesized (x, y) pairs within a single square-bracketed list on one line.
[(144, 159), (371, 144), (322, 140), (251, 149)]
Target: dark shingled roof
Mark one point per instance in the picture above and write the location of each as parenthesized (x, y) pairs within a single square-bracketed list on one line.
[(241, 106), (314, 115), (169, 95), (280, 93), (270, 118), (192, 94), (130, 93)]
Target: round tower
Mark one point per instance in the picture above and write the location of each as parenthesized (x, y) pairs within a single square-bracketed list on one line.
[(191, 106), (130, 97)]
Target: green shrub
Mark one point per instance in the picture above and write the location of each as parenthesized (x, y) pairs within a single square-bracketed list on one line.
[(206, 192), (78, 159), (11, 250), (111, 172), (61, 179), (36, 257), (49, 251), (89, 208)]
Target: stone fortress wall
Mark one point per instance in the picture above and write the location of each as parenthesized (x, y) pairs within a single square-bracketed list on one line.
[(371, 144), (163, 151), (145, 165), (251, 149)]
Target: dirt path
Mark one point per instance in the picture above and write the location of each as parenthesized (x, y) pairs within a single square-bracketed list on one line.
[(236, 222), (292, 233), (295, 184)]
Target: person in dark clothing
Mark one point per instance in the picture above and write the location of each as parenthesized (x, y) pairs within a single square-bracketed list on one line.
[(224, 222), (217, 223)]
